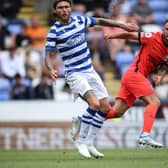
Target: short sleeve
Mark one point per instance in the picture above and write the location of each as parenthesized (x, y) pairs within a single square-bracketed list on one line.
[(145, 37), (51, 39), (89, 21)]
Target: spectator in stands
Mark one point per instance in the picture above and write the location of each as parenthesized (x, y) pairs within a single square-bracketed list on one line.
[(6, 39), (37, 33), (78, 9), (5, 88), (98, 11), (19, 90), (33, 67), (142, 13), (44, 90), (123, 59), (22, 39), (11, 63), (116, 44), (10, 8)]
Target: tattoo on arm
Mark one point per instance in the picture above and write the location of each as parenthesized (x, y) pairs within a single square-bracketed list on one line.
[(48, 60), (88, 95), (107, 22)]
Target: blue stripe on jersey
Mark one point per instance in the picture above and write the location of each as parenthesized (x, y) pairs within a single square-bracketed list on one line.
[(65, 29), (80, 19), (75, 54), (79, 61), (49, 48), (70, 28), (50, 39), (64, 49), (93, 21), (53, 31), (80, 69)]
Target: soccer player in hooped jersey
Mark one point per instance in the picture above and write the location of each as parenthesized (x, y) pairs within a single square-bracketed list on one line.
[(134, 83), (67, 36)]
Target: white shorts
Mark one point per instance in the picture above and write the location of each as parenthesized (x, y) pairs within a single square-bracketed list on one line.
[(80, 83)]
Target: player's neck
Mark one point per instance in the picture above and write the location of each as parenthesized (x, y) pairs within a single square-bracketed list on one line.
[(67, 21), (64, 22)]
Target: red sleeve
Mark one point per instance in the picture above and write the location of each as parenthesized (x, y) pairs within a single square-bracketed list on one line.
[(145, 37)]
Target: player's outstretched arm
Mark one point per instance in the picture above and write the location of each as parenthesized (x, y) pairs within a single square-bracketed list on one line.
[(123, 35), (53, 73), (111, 23)]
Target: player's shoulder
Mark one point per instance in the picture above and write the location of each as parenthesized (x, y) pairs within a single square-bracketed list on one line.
[(78, 17), (55, 25), (150, 34), (157, 35)]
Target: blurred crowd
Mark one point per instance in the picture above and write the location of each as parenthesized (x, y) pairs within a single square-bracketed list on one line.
[(22, 42)]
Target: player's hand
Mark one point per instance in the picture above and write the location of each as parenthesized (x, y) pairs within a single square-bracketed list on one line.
[(156, 79), (106, 36), (53, 74), (109, 37), (130, 27)]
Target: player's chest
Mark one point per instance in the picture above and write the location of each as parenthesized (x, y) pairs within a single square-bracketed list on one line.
[(158, 51), (66, 32)]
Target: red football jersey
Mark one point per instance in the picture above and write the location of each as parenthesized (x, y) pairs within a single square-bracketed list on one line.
[(153, 52)]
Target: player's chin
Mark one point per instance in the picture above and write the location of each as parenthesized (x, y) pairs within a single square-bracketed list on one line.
[(157, 83), (65, 16)]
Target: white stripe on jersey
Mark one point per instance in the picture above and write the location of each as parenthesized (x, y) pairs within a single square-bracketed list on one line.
[(74, 50), (79, 66), (77, 58)]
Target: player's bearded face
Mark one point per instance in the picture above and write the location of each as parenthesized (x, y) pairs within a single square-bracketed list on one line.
[(63, 10), (165, 32)]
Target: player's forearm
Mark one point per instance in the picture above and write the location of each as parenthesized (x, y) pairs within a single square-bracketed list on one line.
[(124, 35), (130, 27), (48, 60), (52, 72), (108, 22)]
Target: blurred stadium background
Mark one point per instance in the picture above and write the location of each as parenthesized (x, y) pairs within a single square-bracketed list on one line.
[(36, 114)]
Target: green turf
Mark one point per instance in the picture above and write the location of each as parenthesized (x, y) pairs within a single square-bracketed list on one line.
[(114, 158)]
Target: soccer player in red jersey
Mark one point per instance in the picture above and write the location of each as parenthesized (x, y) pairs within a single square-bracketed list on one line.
[(135, 83)]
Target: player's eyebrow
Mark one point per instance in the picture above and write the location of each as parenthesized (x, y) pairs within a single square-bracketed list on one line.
[(65, 6)]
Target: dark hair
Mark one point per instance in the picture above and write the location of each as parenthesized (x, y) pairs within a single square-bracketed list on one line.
[(166, 21), (57, 1), (17, 75)]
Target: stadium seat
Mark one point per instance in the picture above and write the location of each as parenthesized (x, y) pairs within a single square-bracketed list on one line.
[(158, 6), (159, 17)]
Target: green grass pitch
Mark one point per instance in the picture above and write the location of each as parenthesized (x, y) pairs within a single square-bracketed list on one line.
[(114, 158)]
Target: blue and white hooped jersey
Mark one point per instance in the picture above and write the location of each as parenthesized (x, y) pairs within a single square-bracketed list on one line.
[(70, 42)]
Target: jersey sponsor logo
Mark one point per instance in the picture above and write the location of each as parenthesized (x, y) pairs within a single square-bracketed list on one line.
[(148, 35), (76, 39)]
